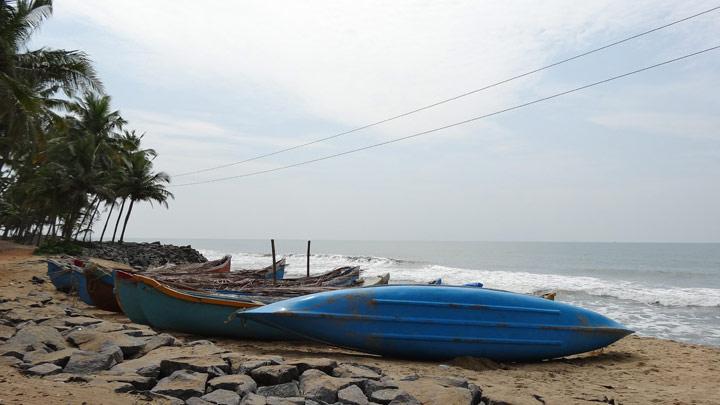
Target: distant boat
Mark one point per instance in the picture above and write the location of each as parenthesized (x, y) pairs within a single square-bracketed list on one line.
[(442, 322)]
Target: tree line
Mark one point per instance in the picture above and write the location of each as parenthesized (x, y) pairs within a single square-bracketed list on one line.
[(66, 156)]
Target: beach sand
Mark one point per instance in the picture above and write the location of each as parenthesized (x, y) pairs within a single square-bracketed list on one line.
[(635, 370)]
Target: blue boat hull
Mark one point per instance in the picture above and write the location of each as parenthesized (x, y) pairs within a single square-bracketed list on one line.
[(146, 305), (442, 322), (70, 279)]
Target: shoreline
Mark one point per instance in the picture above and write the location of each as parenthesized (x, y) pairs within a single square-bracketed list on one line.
[(633, 370)]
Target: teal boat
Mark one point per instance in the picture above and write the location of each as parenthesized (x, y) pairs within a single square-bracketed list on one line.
[(147, 301)]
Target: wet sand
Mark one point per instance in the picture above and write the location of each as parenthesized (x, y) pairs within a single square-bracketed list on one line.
[(635, 370)]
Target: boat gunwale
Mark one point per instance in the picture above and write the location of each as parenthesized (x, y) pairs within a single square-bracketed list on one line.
[(178, 294)]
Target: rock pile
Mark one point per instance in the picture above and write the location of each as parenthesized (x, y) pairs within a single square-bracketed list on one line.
[(143, 255), (44, 338)]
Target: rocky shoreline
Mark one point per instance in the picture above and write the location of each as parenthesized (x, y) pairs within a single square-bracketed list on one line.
[(55, 349), (44, 337), (143, 255)]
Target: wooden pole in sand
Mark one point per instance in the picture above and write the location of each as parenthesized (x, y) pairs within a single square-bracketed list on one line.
[(308, 260), (272, 244)]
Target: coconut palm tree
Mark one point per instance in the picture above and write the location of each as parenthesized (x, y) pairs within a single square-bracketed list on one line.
[(144, 185)]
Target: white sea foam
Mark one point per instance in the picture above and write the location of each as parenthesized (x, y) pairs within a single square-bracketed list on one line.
[(523, 282)]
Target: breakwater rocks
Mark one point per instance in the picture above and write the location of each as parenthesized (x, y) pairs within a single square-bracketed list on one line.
[(46, 335), (143, 255)]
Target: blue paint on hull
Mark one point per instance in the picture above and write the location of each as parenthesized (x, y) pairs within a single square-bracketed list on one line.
[(442, 322), (146, 305), (70, 279)]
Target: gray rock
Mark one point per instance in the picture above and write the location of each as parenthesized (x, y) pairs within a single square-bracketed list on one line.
[(352, 395), (137, 330), (90, 340), (83, 362), (476, 393), (272, 375), (247, 366), (38, 336), (197, 401), (322, 364), (6, 332), (58, 358), (113, 350), (182, 384), (240, 383), (213, 365), (375, 385), (81, 321), (355, 371), (138, 382), (70, 378), (318, 386), (156, 341), (385, 396), (149, 364), (222, 397), (44, 369), (253, 399), (10, 361), (405, 399), (105, 327), (285, 401), (16, 350), (289, 389)]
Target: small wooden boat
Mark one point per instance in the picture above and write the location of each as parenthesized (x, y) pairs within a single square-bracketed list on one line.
[(237, 281), (67, 276), (148, 301), (221, 265), (100, 286), (442, 322)]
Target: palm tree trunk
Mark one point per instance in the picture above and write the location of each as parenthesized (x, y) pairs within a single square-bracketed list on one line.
[(102, 235), (85, 216), (122, 235), (90, 222), (122, 207)]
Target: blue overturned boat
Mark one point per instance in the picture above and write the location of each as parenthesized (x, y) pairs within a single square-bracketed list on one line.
[(442, 322), (68, 277)]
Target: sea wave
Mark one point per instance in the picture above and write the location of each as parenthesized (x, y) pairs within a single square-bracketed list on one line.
[(522, 282)]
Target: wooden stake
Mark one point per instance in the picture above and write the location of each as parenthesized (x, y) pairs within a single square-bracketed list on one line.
[(272, 244), (308, 260)]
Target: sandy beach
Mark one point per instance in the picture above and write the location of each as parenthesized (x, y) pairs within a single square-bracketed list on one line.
[(635, 370)]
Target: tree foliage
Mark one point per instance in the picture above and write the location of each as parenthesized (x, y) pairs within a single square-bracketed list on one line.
[(64, 152)]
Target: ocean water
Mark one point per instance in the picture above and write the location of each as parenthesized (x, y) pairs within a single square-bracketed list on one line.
[(665, 290)]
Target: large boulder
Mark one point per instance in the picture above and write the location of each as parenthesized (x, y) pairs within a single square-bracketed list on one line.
[(87, 339), (213, 365), (182, 384), (323, 364), (58, 358), (240, 383), (84, 362), (318, 386), (352, 395), (149, 364), (44, 369), (355, 371), (288, 389), (272, 375), (222, 397), (38, 337)]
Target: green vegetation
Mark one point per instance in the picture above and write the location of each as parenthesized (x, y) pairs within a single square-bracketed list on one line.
[(64, 152)]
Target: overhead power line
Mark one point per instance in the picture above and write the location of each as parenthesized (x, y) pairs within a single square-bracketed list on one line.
[(447, 100), (498, 112)]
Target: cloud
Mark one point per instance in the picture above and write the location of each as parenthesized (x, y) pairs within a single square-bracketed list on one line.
[(688, 125)]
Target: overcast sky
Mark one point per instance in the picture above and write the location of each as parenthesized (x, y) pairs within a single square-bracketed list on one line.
[(214, 82)]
